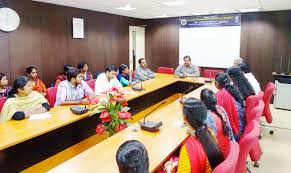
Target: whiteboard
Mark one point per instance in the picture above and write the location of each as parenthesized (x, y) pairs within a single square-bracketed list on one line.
[(210, 46)]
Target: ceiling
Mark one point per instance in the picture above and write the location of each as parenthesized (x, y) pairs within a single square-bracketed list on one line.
[(148, 9)]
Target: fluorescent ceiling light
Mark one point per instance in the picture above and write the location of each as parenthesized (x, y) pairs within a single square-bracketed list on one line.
[(202, 13), (249, 10), (163, 16), (127, 7), (174, 3)]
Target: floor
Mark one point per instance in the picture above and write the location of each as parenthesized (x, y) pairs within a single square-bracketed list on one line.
[(277, 147)]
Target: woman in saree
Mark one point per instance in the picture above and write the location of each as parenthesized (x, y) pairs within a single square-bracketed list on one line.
[(23, 102), (224, 132), (38, 85), (230, 98), (200, 152)]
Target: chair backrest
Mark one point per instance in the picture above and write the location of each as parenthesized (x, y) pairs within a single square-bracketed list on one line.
[(166, 70), (256, 112), (210, 73), (132, 74), (261, 95), (230, 162), (251, 102), (251, 133), (270, 87), (91, 83), (51, 94), (2, 101)]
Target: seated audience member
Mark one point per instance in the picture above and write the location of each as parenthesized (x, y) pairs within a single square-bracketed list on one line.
[(224, 132), (187, 69), (200, 152), (124, 75), (4, 88), (237, 61), (23, 102), (241, 82), (251, 78), (84, 68), (132, 157), (105, 81), (73, 90), (142, 73), (233, 103), (38, 85), (62, 76)]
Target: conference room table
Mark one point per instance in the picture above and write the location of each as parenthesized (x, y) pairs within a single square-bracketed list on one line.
[(13, 133), (160, 145)]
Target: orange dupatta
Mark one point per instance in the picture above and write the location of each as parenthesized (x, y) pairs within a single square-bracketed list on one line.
[(39, 86)]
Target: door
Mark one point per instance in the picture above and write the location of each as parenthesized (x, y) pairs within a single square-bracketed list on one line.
[(136, 45)]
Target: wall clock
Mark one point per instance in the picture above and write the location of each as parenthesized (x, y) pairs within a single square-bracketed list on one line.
[(9, 19)]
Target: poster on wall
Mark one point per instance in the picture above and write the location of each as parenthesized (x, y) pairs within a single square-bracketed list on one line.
[(78, 28)]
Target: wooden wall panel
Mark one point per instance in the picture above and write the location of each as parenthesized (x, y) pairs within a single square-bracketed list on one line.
[(4, 48), (259, 38), (162, 42), (265, 36), (44, 39)]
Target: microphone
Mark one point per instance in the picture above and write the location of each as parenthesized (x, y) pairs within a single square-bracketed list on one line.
[(182, 100), (138, 88), (150, 125)]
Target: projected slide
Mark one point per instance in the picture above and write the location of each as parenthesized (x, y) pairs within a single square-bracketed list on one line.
[(210, 46)]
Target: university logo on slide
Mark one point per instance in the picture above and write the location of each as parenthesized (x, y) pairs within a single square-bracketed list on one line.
[(184, 22)]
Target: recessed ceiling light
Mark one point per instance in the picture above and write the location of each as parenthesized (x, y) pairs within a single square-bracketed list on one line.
[(202, 13), (175, 2), (127, 7), (163, 16), (249, 10)]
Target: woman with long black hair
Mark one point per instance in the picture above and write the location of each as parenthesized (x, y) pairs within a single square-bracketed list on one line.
[(241, 82), (233, 103), (200, 152), (251, 78), (224, 132)]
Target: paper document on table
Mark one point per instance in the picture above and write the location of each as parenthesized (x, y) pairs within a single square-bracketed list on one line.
[(40, 116), (129, 92), (179, 124)]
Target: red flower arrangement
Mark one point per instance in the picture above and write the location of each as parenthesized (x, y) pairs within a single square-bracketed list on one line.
[(114, 112)]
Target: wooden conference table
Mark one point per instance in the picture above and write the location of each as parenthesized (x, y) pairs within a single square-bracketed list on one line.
[(18, 136), (14, 132), (160, 145)]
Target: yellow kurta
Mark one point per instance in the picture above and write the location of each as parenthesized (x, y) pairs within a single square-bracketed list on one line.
[(184, 162), (184, 165), (13, 105)]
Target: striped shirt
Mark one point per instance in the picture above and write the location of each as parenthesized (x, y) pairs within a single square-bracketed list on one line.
[(68, 92)]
